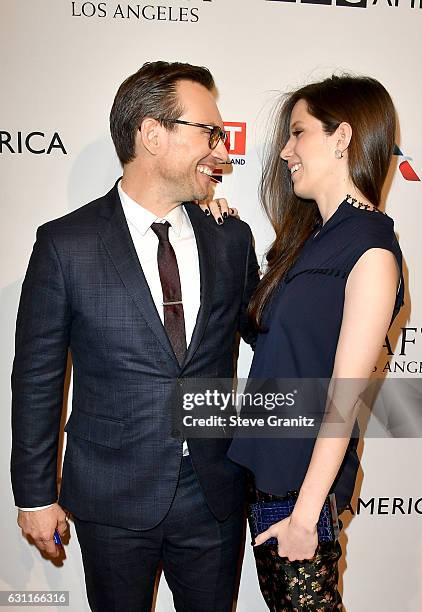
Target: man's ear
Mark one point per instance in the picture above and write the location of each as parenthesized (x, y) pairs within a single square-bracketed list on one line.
[(149, 134)]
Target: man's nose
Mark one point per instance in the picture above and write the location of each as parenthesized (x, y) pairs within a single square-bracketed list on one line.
[(220, 152)]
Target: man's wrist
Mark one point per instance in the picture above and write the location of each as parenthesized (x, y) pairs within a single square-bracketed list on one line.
[(35, 508)]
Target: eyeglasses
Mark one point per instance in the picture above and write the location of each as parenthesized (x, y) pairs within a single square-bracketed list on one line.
[(216, 133)]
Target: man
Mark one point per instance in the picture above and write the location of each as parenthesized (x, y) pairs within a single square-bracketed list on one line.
[(145, 292)]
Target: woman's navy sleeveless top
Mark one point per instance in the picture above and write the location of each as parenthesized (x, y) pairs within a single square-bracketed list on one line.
[(302, 324)]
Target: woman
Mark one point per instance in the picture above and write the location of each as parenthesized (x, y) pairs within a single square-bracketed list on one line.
[(322, 309)]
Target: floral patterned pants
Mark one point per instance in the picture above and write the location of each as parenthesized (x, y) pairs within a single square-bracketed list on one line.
[(298, 586)]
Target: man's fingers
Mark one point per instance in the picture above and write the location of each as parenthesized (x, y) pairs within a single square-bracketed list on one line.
[(48, 547), (39, 527), (62, 526)]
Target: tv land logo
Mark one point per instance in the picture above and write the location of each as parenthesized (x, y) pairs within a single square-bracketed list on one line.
[(235, 145), (136, 11), (236, 141), (405, 168), (358, 3), (37, 143)]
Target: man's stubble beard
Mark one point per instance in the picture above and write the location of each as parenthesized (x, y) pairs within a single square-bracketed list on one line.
[(183, 187)]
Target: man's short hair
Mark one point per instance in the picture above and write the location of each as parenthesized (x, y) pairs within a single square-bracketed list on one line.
[(150, 92)]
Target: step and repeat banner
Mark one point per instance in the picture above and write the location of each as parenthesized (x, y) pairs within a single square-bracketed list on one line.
[(62, 62)]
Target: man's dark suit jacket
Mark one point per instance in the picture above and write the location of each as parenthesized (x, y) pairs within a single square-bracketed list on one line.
[(85, 291)]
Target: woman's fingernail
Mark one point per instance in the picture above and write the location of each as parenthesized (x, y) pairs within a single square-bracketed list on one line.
[(219, 220), (225, 215), (207, 212)]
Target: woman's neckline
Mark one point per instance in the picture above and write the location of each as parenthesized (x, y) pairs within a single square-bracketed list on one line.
[(349, 203)]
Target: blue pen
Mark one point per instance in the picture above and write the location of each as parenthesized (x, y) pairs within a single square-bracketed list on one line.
[(57, 538)]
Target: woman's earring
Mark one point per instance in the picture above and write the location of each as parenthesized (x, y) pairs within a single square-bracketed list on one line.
[(338, 154)]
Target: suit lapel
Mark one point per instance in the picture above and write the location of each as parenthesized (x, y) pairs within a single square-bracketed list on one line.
[(117, 240), (206, 255)]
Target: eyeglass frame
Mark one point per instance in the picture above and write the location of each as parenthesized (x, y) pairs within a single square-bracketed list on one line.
[(215, 131)]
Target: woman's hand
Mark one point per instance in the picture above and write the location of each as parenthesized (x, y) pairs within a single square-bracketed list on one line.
[(219, 209), (295, 541)]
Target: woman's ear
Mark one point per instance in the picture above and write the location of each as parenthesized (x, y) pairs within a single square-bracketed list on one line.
[(343, 136)]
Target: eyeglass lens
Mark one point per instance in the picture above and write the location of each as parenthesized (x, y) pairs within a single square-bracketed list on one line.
[(216, 135)]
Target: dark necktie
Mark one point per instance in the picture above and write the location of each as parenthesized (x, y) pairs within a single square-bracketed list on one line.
[(174, 320)]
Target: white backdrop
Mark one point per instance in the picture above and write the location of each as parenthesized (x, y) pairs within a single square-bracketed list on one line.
[(62, 62)]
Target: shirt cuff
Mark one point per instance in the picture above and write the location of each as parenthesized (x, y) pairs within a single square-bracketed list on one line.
[(36, 508)]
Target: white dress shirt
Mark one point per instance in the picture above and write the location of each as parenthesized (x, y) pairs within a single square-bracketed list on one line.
[(182, 239)]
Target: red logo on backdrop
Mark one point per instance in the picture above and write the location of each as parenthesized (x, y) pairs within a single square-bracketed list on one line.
[(405, 168), (235, 145), (407, 171), (236, 139)]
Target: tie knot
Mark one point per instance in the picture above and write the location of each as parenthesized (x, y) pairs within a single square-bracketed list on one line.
[(161, 230)]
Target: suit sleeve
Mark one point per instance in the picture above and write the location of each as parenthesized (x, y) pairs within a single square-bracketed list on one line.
[(39, 368), (251, 281)]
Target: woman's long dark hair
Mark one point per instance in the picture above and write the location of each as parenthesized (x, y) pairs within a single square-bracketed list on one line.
[(367, 106)]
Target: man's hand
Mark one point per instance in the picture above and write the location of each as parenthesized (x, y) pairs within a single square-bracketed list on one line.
[(40, 526)]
